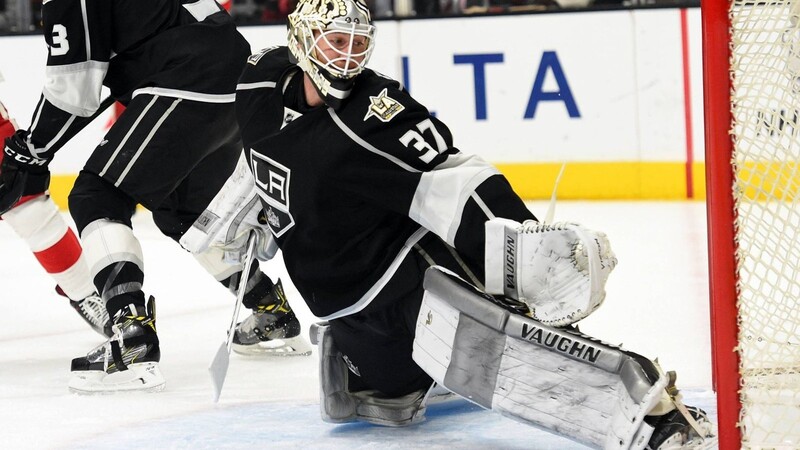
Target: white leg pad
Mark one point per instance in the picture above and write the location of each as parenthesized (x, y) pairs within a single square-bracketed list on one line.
[(555, 379)]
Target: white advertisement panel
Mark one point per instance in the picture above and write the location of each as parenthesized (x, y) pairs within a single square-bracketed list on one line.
[(588, 87), (529, 88)]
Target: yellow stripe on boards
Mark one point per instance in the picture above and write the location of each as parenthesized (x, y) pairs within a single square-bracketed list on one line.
[(581, 181), (606, 180), (60, 185)]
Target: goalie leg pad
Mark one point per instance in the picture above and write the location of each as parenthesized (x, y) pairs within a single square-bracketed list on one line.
[(339, 405), (555, 379)]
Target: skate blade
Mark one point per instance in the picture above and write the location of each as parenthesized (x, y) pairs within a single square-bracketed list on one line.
[(296, 346), (141, 377)]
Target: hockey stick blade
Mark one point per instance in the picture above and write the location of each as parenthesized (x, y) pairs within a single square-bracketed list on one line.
[(219, 366), (219, 369)]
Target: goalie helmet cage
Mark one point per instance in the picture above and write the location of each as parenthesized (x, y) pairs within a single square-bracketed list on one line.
[(751, 60)]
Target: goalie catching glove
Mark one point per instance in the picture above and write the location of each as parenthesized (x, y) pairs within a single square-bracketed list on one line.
[(559, 270), (21, 172)]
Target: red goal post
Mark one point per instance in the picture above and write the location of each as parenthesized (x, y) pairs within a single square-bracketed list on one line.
[(751, 65)]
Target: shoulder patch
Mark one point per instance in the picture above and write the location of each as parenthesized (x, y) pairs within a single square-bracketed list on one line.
[(383, 107), (255, 57)]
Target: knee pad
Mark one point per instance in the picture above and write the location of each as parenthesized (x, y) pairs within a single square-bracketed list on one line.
[(339, 405), (94, 198), (115, 261)]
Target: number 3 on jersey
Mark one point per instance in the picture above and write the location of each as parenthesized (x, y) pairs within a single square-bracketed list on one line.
[(414, 138), (60, 44)]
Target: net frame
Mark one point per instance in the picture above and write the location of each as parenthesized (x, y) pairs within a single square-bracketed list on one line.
[(736, 186), (720, 217)]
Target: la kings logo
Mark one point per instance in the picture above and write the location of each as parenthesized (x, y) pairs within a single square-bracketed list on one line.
[(383, 107), (272, 183)]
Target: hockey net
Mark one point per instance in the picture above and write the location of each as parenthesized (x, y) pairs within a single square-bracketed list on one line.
[(752, 102)]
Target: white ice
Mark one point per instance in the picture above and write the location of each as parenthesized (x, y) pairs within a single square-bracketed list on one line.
[(657, 305)]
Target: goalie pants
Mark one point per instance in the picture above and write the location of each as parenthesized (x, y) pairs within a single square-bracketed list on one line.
[(378, 341), (170, 155)]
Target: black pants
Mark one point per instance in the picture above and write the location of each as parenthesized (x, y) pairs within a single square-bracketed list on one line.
[(378, 341), (170, 155)]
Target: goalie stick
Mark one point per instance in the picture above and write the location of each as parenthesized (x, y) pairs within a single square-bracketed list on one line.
[(219, 366)]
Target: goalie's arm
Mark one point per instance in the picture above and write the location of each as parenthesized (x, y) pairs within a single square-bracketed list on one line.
[(491, 199), (455, 199)]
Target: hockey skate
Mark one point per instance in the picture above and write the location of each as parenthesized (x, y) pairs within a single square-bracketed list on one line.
[(92, 309), (272, 329), (128, 361), (672, 431)]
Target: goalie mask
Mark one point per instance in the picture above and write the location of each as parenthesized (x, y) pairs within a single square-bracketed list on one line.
[(331, 40)]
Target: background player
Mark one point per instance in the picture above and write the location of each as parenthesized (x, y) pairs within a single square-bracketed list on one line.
[(36, 219), (173, 65)]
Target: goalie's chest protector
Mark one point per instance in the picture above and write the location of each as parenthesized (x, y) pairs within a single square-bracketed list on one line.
[(320, 199)]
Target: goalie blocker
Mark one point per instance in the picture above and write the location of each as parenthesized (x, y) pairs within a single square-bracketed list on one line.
[(556, 379)]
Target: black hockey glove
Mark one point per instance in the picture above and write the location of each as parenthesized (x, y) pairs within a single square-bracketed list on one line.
[(20, 172)]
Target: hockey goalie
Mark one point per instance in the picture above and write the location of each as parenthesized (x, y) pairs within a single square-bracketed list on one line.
[(427, 271)]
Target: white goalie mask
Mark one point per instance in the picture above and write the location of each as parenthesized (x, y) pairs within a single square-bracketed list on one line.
[(331, 40)]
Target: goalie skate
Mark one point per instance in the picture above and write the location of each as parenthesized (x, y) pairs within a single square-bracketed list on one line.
[(128, 361), (672, 431)]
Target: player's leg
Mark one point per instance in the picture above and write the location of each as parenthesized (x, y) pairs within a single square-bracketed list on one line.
[(129, 359), (36, 219), (39, 223), (131, 166)]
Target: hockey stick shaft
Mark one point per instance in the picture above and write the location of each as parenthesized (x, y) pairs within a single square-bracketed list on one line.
[(243, 279), (219, 366)]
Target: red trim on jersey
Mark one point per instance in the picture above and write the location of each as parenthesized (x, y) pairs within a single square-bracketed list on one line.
[(6, 129), (61, 256)]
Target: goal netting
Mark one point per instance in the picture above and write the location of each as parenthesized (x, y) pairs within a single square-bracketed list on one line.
[(762, 156)]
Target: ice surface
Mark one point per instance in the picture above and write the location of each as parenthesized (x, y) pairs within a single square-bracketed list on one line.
[(657, 305)]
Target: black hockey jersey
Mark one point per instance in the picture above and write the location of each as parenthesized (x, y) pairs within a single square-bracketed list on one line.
[(348, 193), (175, 48)]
